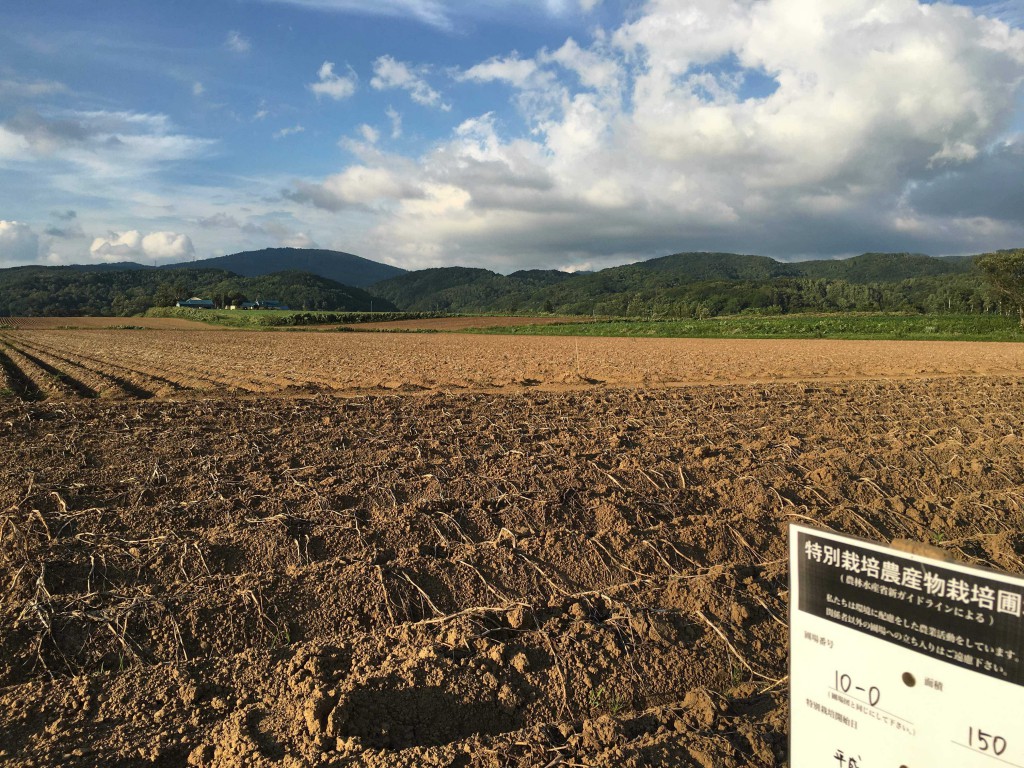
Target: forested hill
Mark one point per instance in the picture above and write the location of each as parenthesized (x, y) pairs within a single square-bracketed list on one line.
[(465, 289), (344, 268), (685, 284), (679, 285), (70, 291), (885, 267)]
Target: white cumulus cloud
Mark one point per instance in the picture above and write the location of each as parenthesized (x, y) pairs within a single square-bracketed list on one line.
[(167, 246), (509, 69), (370, 134), (781, 126), (359, 186), (333, 85), (156, 246), (389, 73)]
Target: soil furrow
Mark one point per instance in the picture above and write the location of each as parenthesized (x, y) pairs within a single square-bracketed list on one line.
[(14, 383), (43, 379), (141, 382), (146, 383), (267, 362), (139, 362), (92, 380)]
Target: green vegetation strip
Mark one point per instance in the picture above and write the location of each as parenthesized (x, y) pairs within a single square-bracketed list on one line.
[(839, 326), (272, 318)]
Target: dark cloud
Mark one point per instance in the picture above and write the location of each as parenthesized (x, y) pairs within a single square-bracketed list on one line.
[(18, 243), (318, 196), (47, 135), (991, 185), (220, 220), (68, 228), (65, 233), (470, 173)]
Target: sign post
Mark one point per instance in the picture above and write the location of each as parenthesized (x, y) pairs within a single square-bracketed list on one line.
[(899, 660)]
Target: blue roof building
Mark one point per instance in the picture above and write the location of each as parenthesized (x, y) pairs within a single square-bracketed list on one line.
[(195, 303)]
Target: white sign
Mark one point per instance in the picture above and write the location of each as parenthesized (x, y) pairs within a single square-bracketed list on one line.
[(901, 661)]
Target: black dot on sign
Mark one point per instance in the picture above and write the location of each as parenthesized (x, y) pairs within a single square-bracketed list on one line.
[(910, 682)]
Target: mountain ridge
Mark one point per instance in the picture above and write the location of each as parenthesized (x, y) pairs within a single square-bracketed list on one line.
[(342, 267), (674, 278), (69, 291), (680, 284)]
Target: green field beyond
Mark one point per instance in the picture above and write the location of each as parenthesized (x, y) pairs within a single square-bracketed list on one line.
[(282, 318), (944, 327), (840, 326)]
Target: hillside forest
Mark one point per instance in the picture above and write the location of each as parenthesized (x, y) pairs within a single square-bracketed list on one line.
[(690, 285)]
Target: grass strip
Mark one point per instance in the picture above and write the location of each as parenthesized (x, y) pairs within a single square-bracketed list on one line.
[(838, 326)]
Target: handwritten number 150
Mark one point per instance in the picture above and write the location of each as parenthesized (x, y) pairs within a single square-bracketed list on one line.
[(986, 742)]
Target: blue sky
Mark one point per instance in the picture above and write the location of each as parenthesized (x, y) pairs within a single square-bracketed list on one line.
[(533, 133)]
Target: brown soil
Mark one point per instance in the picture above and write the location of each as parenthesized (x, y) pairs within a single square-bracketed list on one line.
[(518, 578), (157, 362)]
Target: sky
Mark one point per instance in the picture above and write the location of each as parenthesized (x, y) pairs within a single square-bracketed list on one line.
[(509, 134)]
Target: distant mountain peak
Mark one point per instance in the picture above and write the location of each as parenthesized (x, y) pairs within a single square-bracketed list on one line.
[(345, 268)]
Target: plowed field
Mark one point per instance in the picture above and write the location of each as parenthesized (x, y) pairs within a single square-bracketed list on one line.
[(50, 323), (127, 363), (519, 567)]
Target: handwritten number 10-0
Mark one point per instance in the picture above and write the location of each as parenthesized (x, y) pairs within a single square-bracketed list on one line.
[(844, 683), (986, 742)]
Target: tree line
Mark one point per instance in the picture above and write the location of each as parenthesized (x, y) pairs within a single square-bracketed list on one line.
[(953, 293), (71, 291), (676, 286)]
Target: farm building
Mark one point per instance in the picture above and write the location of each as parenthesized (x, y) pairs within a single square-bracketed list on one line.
[(260, 304), (195, 303)]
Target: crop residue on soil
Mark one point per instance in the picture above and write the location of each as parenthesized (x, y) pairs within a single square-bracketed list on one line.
[(104, 323), (180, 363), (531, 578)]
